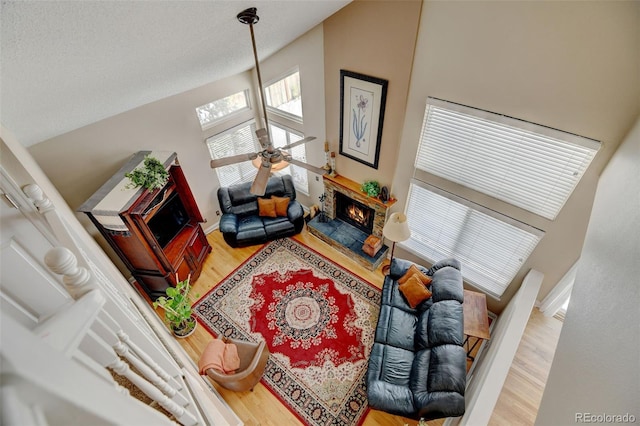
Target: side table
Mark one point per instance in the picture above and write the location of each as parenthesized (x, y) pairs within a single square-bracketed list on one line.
[(476, 320)]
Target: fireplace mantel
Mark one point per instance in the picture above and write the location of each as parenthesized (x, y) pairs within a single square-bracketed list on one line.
[(352, 189)]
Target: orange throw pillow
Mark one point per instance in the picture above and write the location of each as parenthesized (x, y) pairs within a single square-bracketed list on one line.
[(413, 270), (414, 291), (266, 207), (281, 205)]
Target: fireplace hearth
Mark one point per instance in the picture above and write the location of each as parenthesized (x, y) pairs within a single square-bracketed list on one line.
[(352, 217)]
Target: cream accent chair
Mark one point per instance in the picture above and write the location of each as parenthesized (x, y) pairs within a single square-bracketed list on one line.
[(253, 360)]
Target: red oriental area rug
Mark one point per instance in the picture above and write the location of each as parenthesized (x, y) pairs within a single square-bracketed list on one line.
[(318, 320)]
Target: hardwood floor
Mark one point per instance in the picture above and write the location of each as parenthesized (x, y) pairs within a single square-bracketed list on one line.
[(261, 407), (522, 391)]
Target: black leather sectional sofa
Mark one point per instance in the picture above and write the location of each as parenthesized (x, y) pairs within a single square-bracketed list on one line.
[(417, 367)]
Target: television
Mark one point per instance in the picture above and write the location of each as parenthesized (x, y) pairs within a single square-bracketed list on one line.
[(169, 220)]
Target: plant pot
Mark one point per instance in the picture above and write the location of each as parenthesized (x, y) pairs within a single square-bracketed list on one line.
[(186, 329)]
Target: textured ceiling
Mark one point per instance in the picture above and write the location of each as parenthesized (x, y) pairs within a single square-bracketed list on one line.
[(66, 64)]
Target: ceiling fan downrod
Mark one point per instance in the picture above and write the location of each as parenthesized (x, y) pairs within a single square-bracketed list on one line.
[(250, 17)]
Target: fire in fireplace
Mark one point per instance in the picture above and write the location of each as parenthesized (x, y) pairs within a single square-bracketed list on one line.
[(354, 213)]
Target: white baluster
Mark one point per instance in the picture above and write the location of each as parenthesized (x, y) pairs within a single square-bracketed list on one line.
[(122, 350), (63, 262), (183, 416), (100, 351), (148, 360), (104, 327), (113, 325)]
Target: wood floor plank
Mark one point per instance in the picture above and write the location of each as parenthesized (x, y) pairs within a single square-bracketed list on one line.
[(521, 394), (518, 403)]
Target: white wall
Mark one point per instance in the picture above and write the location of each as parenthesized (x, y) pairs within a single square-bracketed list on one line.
[(305, 53), (573, 66), (596, 366)]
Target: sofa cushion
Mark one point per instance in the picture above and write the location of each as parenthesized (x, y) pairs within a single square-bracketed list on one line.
[(385, 391), (414, 271), (250, 228), (276, 225), (248, 223), (448, 287), (252, 235), (420, 371), (266, 207), (414, 290), (390, 398), (281, 203), (447, 369), (396, 368), (437, 405), (445, 326), (396, 328)]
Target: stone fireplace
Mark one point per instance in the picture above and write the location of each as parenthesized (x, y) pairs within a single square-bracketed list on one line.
[(352, 217)]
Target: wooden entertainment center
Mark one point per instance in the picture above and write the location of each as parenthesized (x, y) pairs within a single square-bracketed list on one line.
[(157, 234)]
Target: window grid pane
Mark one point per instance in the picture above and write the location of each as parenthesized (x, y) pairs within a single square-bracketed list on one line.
[(237, 140), (534, 171), (283, 136), (221, 108), (285, 95), (491, 250)]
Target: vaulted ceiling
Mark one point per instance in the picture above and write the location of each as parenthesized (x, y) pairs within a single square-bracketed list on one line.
[(66, 64)]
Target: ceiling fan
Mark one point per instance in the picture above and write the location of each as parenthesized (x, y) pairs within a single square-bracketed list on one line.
[(270, 158)]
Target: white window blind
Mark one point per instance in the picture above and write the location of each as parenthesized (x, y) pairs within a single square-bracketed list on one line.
[(491, 247), (282, 136), (527, 165), (237, 140)]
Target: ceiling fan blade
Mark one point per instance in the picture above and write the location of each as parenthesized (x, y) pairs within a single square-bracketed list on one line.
[(259, 185), (300, 142), (263, 138), (232, 160), (314, 169)]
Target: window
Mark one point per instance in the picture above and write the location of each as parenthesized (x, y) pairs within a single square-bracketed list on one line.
[(490, 246), (284, 97), (237, 140), (527, 165), (282, 136), (220, 109)]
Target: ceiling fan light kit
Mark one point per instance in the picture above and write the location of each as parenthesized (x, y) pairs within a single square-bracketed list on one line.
[(270, 158)]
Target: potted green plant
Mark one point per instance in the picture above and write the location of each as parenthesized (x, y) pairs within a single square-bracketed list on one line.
[(177, 308), (371, 188), (152, 175)]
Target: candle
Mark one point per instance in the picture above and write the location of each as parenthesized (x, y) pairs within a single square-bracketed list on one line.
[(326, 146)]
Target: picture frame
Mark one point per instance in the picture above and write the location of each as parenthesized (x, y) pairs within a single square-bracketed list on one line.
[(362, 105)]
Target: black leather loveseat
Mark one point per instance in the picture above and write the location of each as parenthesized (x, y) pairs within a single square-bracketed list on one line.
[(241, 224), (417, 367)]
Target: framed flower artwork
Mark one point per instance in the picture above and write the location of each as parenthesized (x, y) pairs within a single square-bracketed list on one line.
[(362, 102)]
